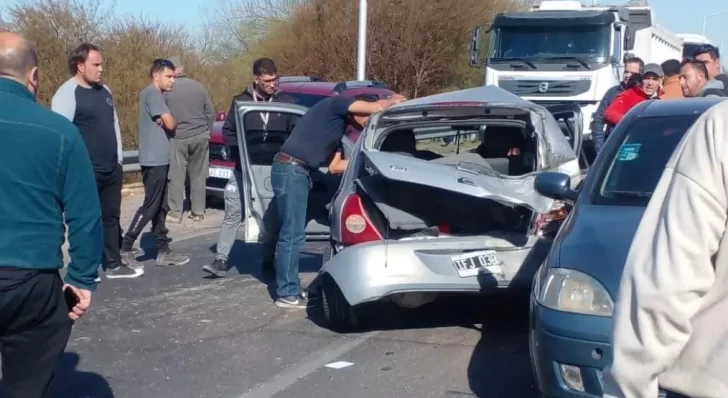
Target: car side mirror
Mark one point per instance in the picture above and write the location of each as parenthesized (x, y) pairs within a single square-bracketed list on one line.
[(474, 48), (556, 186)]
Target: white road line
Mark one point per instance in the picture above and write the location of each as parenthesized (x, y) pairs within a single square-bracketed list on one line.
[(306, 366)]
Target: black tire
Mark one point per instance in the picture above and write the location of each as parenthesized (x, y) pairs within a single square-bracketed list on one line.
[(338, 313)]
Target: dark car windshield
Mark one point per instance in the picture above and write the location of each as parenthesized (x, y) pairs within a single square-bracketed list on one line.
[(533, 42), (637, 164), (307, 100)]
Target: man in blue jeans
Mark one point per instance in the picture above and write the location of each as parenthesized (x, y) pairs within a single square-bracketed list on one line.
[(313, 143)]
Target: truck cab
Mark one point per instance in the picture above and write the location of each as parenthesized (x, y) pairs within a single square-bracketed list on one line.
[(561, 51)]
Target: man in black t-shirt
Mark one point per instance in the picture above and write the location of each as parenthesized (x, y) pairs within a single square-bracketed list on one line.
[(87, 102), (313, 143)]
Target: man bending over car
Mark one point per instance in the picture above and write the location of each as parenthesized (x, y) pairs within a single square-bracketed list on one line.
[(313, 143)]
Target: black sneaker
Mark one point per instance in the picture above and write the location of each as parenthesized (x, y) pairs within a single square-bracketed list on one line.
[(291, 302), (123, 272), (171, 258), (218, 268)]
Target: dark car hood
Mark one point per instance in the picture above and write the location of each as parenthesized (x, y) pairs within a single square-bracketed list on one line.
[(598, 240)]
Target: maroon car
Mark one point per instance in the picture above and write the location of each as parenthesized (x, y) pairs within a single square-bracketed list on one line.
[(306, 91)]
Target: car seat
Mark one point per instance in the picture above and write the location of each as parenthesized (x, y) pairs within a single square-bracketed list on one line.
[(400, 141), (497, 142)]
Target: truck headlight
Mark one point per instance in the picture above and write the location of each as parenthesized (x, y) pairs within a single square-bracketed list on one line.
[(572, 291)]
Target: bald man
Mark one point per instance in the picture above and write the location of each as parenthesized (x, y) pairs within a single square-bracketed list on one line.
[(46, 176)]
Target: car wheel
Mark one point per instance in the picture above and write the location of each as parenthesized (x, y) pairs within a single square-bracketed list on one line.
[(338, 313)]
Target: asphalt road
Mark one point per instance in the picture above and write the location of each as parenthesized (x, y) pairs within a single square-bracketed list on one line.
[(176, 333)]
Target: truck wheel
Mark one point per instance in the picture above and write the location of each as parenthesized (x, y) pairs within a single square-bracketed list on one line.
[(339, 314)]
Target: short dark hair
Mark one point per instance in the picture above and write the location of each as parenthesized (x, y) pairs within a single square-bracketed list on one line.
[(264, 66), (697, 65), (635, 60), (671, 67), (708, 49), (79, 55), (159, 65)]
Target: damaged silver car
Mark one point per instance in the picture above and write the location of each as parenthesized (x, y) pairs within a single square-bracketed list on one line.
[(439, 198)]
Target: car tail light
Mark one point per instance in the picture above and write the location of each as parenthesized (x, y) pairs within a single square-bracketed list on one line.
[(558, 212), (443, 227), (356, 227)]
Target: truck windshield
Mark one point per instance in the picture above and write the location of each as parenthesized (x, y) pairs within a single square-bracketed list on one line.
[(544, 42)]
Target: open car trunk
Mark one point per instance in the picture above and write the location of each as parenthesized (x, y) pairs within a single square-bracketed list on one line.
[(406, 210), (409, 197)]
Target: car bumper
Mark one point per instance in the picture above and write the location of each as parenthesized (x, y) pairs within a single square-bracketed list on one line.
[(371, 271)]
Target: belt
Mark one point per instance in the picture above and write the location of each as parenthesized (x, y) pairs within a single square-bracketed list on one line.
[(283, 157)]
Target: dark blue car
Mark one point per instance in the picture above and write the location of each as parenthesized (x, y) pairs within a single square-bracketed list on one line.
[(574, 290)]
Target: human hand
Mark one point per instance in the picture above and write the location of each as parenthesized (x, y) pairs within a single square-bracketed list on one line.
[(84, 301), (397, 98)]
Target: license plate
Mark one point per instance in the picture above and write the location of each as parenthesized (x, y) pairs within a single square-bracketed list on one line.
[(220, 172), (477, 263)]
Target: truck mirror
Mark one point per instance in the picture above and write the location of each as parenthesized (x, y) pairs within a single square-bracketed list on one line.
[(474, 48)]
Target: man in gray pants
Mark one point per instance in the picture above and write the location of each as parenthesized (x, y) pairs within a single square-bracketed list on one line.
[(190, 104)]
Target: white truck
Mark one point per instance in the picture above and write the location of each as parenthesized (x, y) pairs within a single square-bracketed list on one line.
[(561, 52), (692, 42)]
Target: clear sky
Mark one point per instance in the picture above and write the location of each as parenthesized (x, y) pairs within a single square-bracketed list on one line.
[(679, 16)]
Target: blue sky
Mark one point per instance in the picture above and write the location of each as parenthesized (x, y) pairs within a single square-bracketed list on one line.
[(672, 14)]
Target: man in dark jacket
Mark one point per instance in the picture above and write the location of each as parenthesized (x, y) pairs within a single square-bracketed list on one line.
[(263, 89), (46, 178), (632, 66), (710, 55)]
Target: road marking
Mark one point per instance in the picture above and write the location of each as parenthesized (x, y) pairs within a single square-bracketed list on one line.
[(338, 365), (306, 366)]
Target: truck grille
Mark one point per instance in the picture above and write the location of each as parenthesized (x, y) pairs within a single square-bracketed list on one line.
[(545, 88), (219, 152)]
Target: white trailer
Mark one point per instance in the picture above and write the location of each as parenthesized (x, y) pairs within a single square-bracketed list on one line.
[(563, 52)]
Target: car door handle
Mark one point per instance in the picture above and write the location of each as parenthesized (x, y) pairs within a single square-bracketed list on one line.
[(466, 181)]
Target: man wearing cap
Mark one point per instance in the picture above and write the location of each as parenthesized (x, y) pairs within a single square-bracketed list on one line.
[(191, 106), (644, 87)]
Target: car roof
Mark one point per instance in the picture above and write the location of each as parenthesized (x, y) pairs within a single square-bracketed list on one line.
[(327, 89), (679, 107)]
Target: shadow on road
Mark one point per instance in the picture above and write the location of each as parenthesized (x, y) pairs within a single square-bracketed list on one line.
[(69, 382), (500, 365)]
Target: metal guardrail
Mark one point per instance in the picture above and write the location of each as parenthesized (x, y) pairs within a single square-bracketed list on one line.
[(131, 162)]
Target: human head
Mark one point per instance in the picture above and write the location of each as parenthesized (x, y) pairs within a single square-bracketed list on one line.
[(652, 78), (711, 56), (693, 76), (162, 74), (179, 67), (18, 61), (86, 63), (671, 67), (632, 66), (360, 120), (265, 76)]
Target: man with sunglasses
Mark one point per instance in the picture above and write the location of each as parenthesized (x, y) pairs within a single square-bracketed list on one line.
[(710, 55), (263, 89)]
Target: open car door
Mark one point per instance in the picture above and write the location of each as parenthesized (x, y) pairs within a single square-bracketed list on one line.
[(257, 149), (569, 117)]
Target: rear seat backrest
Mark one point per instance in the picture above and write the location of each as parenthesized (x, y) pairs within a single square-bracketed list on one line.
[(400, 141)]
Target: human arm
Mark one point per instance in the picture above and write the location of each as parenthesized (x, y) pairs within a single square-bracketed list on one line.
[(338, 164), (82, 211), (368, 108), (209, 109), (64, 100), (617, 109), (597, 124), (157, 107), (229, 127), (117, 130), (670, 267)]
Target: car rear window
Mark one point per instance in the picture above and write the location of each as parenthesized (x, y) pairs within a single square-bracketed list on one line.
[(638, 163), (307, 100)]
